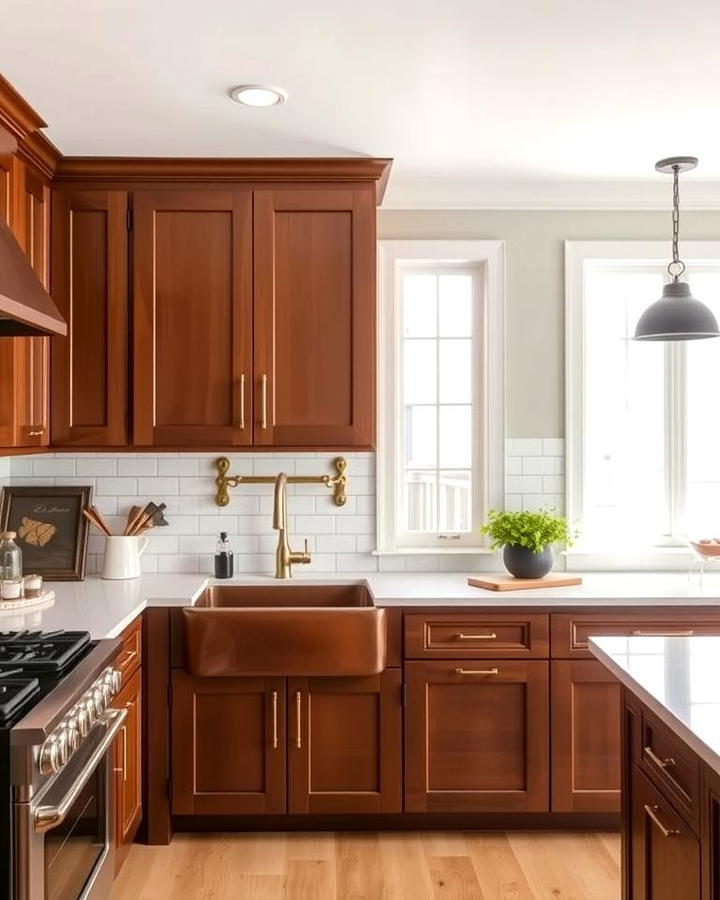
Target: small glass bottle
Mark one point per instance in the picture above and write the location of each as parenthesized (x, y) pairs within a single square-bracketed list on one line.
[(10, 567), (223, 557)]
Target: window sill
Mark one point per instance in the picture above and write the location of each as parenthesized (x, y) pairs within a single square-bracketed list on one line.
[(638, 559), (433, 551)]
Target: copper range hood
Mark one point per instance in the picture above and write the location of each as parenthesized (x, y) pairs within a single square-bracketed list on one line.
[(26, 308)]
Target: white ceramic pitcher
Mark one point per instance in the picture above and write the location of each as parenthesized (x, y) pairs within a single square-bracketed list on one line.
[(122, 556)]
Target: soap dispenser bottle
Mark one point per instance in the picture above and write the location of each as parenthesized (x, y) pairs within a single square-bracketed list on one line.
[(223, 557)]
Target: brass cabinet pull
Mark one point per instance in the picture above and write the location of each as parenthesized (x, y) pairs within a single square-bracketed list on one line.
[(298, 716), (652, 815), (640, 633), (275, 719), (36, 430), (263, 420), (660, 763), (124, 740), (490, 636), (242, 400), (476, 671)]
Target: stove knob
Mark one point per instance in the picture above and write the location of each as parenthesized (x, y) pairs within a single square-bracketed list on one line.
[(63, 750), (91, 710), (99, 700), (49, 760), (72, 728), (106, 690), (116, 679), (82, 718)]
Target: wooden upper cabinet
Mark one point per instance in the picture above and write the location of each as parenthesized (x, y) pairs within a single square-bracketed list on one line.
[(476, 736), (89, 286), (314, 362), (192, 318), (24, 362)]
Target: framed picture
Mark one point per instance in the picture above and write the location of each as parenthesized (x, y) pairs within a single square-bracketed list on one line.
[(51, 530)]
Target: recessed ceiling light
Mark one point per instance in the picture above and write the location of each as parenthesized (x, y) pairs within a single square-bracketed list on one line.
[(258, 94)]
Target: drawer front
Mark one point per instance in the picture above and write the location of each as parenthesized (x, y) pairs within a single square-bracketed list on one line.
[(129, 658), (570, 633), (671, 765), (492, 635)]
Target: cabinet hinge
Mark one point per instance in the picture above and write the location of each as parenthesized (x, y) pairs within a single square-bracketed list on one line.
[(129, 218)]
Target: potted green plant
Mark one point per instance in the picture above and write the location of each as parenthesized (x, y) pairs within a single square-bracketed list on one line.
[(527, 539)]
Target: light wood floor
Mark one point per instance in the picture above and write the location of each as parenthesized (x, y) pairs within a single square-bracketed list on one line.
[(371, 866)]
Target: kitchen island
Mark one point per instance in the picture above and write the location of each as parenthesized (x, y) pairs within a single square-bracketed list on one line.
[(670, 763)]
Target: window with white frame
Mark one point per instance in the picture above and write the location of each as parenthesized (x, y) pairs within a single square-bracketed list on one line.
[(440, 451), (643, 433)]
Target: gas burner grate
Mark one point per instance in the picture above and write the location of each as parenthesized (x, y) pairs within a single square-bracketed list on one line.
[(38, 651), (15, 692)]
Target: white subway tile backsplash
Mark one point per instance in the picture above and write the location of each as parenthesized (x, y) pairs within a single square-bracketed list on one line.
[(98, 466), (137, 466), (523, 446), (123, 487), (48, 466), (165, 487), (554, 446), (178, 466), (542, 465), (523, 484), (341, 539)]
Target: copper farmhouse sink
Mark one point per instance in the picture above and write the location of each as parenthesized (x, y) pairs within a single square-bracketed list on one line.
[(297, 629)]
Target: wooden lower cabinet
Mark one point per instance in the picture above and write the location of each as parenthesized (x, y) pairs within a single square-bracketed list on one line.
[(585, 737), (665, 853), (128, 768), (476, 736), (711, 835), (341, 738), (345, 744), (228, 745)]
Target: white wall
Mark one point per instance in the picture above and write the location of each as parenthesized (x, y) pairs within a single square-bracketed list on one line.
[(535, 288)]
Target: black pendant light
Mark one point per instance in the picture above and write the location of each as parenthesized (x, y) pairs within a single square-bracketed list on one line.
[(677, 315)]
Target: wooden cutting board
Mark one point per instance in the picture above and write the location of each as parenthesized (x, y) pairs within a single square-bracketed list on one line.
[(510, 583)]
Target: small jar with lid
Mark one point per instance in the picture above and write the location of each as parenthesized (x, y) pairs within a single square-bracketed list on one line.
[(11, 580)]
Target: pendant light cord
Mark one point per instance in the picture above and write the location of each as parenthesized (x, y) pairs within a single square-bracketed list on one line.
[(677, 266)]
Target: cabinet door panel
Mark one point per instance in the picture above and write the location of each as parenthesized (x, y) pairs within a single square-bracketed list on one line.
[(193, 318), (345, 746), (24, 362), (665, 853), (89, 285), (314, 317), (228, 743), (476, 742), (585, 737), (128, 771)]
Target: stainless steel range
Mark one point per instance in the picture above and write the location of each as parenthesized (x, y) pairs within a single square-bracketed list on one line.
[(56, 734)]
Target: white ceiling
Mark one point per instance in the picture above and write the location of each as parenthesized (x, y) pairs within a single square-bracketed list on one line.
[(480, 102)]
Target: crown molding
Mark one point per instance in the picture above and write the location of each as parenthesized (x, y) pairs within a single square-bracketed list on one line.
[(606, 195), (15, 113), (293, 170), (40, 151)]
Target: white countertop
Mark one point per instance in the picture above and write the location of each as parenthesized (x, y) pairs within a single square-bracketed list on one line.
[(104, 608), (677, 678)]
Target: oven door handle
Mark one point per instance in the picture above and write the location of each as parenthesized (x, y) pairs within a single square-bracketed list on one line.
[(49, 817)]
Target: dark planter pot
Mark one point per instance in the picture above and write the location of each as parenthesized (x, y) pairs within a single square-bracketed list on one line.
[(523, 563)]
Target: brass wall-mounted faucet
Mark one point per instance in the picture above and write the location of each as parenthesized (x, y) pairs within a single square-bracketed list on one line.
[(284, 556)]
